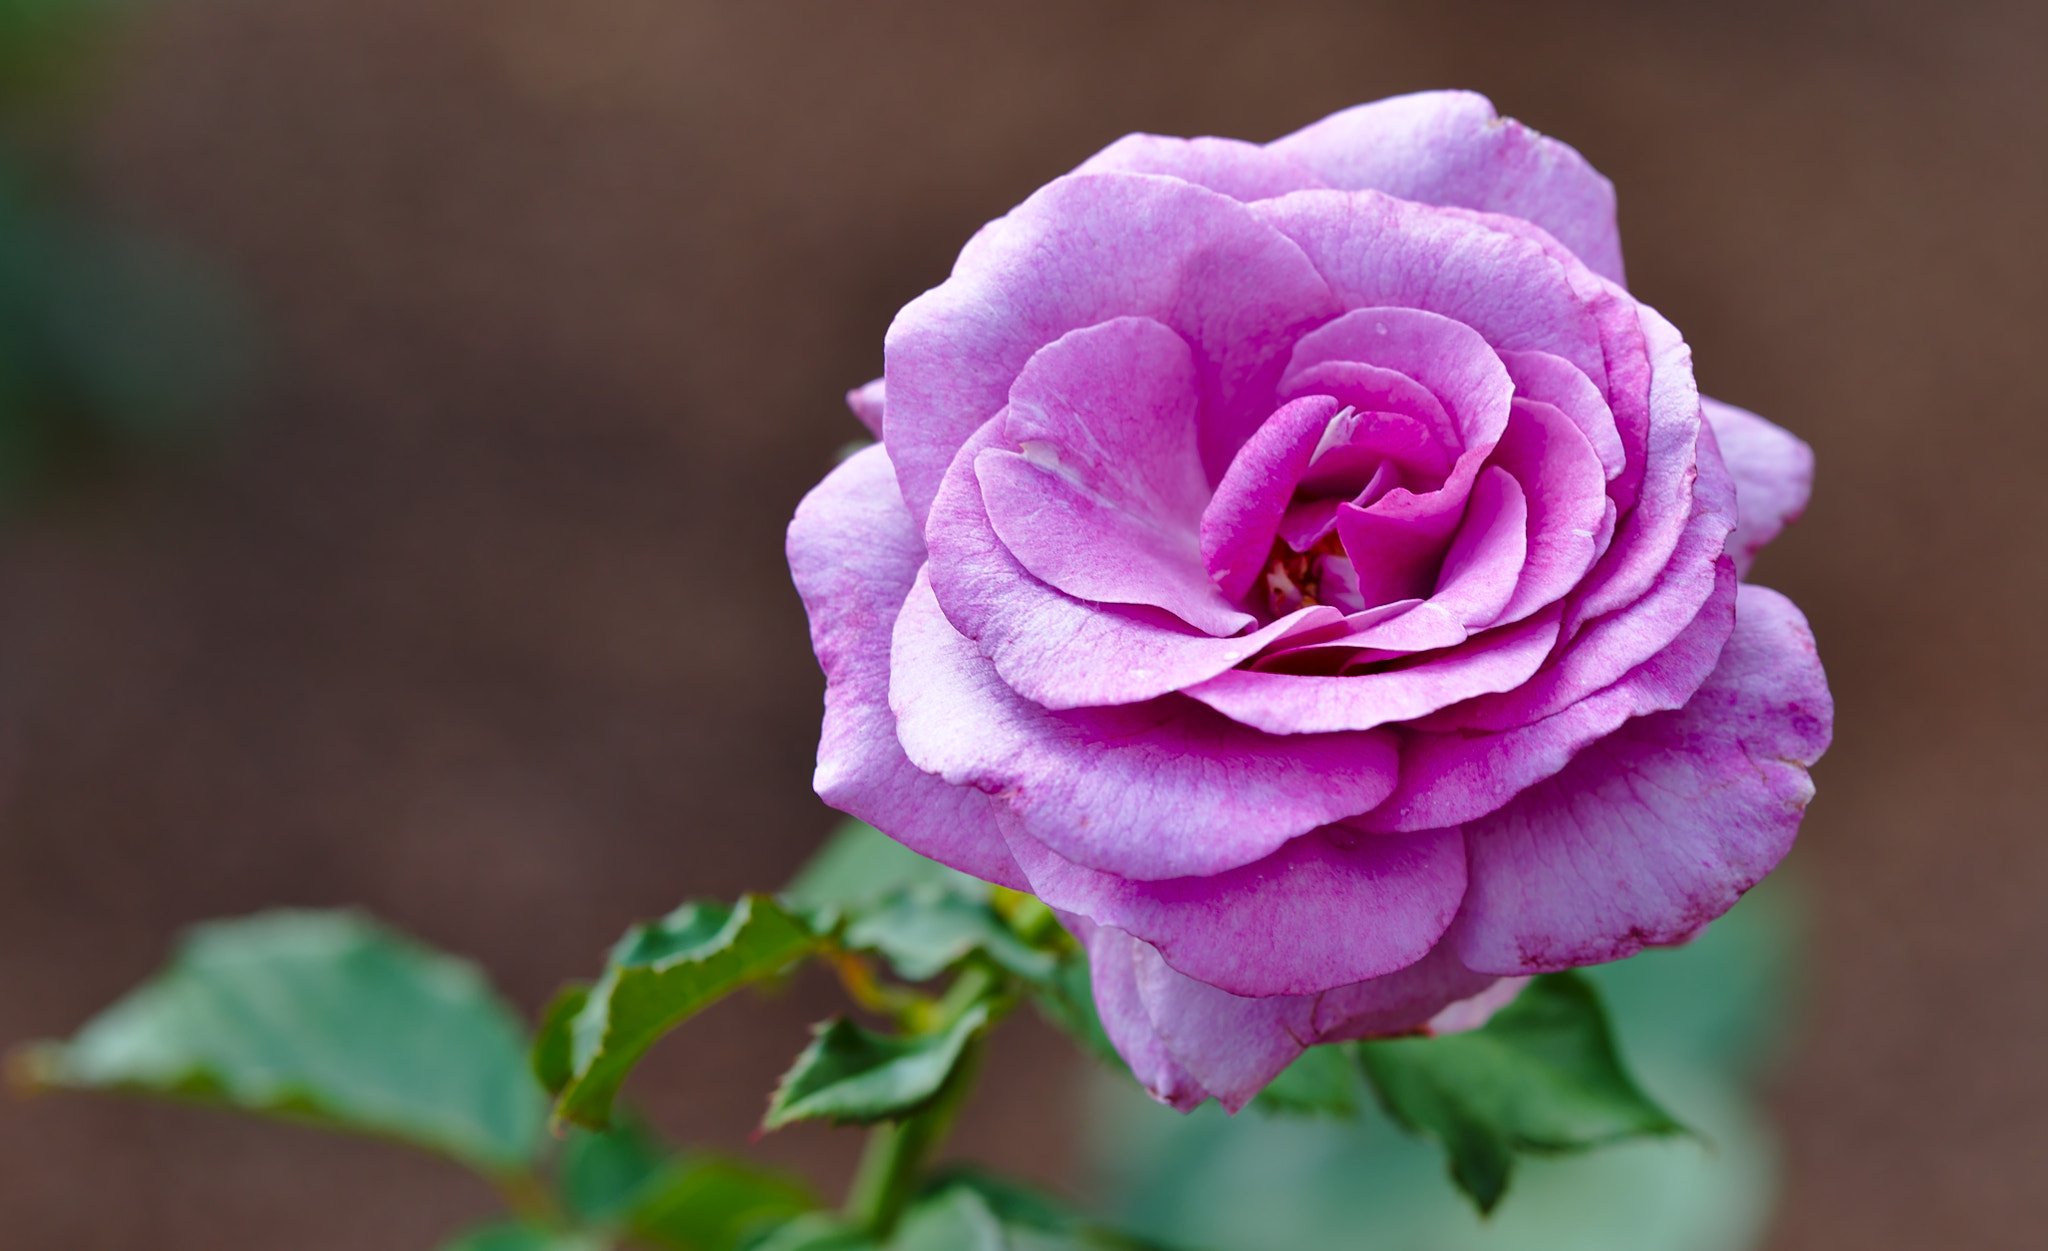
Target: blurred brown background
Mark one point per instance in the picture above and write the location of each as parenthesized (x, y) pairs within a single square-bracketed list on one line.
[(480, 619)]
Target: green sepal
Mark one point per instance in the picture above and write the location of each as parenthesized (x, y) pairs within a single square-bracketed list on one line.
[(1543, 1075), (967, 1208), (1324, 1081), (322, 1017), (851, 1075), (1067, 999), (659, 975)]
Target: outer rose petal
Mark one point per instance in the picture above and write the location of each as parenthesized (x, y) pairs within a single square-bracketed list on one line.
[(867, 403), (1084, 249), (1232, 167), (853, 553), (1654, 831), (1163, 789), (1186, 1040), (1309, 917), (1773, 472), (1450, 147)]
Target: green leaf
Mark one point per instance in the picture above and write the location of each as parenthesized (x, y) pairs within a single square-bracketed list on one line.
[(712, 1203), (658, 976), (923, 930), (554, 1060), (1323, 1081), (1543, 1075), (858, 867), (817, 1231), (627, 1180), (325, 1017), (602, 1175), (967, 1208), (851, 1075), (512, 1236)]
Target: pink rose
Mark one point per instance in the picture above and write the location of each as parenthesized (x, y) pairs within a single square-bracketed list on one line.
[(1308, 569)]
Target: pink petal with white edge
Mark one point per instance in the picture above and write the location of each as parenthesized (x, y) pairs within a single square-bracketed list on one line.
[(1313, 915), (1163, 789), (1232, 167), (1085, 249), (1773, 472), (1657, 829), (868, 403), (1285, 703), (1458, 776), (1450, 147), (1051, 648), (854, 554), (1100, 491)]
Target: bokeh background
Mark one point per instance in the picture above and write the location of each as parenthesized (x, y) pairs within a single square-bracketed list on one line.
[(475, 612)]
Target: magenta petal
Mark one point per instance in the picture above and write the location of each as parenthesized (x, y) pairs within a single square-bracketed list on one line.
[(867, 403), (1163, 789), (1051, 648), (1450, 777), (1448, 358), (1113, 978), (1311, 916), (854, 553), (1100, 490), (1085, 249), (1450, 147), (1675, 479), (1552, 461), (1379, 252), (1773, 472), (1232, 1045), (1232, 167), (1372, 389), (1399, 1002), (1486, 558), (1397, 542), (1283, 703), (1240, 520), (1557, 382), (1654, 831)]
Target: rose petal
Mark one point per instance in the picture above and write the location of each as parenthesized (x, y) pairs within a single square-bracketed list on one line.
[(1051, 648), (1552, 462), (1103, 498), (1555, 381), (1379, 252), (1773, 472), (867, 403), (1654, 831), (1450, 147), (1163, 789), (1232, 167), (1280, 703), (1487, 556), (1113, 978), (1084, 249), (1311, 916), (1446, 358), (1448, 778), (854, 553), (1231, 1044), (1240, 520)]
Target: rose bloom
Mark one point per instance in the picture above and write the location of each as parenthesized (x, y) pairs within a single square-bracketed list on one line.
[(1309, 570)]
